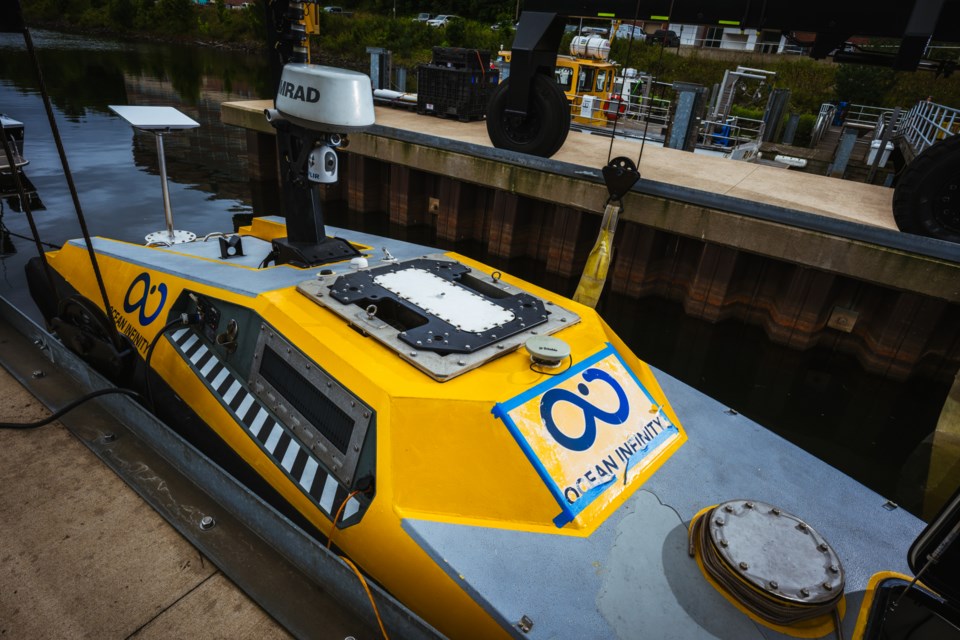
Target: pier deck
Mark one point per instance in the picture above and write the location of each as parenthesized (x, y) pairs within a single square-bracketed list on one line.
[(70, 566), (856, 202), (104, 536)]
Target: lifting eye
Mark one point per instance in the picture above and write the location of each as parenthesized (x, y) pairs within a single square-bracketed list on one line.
[(228, 337)]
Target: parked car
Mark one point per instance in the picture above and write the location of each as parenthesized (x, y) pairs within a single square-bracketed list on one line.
[(333, 9), (664, 37), (423, 17), (442, 20), (595, 31), (628, 31)]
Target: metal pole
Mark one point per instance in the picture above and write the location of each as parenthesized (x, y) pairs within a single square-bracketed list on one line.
[(884, 139), (108, 309), (167, 212)]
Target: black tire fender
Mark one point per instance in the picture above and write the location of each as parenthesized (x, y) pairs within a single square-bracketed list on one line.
[(542, 131), (926, 200)]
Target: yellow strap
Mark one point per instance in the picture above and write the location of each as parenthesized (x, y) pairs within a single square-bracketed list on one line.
[(598, 262)]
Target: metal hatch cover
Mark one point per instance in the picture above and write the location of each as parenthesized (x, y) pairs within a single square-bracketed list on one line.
[(437, 313), (776, 552)]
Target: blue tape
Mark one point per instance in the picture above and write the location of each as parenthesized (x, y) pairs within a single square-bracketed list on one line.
[(498, 410), (573, 510), (548, 384), (640, 454), (501, 410)]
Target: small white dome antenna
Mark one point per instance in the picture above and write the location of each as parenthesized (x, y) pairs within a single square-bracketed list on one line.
[(546, 351)]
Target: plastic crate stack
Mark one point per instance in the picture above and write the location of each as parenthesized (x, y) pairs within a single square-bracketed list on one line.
[(457, 83)]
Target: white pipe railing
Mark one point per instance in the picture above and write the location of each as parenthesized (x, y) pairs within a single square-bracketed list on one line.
[(730, 132), (928, 122)]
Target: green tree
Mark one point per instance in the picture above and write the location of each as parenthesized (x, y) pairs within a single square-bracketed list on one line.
[(862, 84), (175, 17), (122, 13)]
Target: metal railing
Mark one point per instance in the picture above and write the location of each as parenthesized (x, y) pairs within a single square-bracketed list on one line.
[(729, 133), (648, 109), (928, 122), (867, 117), (633, 112)]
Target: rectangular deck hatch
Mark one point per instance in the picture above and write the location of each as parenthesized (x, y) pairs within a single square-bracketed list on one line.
[(438, 314), (453, 304)]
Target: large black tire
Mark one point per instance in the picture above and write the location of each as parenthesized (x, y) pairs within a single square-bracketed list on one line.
[(542, 131), (926, 201)]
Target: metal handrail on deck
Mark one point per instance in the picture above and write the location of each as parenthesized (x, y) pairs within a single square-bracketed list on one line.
[(730, 132), (640, 108), (866, 116), (928, 122)]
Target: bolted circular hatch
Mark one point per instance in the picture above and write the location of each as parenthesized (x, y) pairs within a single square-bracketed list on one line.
[(776, 552)]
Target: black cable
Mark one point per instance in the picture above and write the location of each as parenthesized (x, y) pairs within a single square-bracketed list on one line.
[(69, 407), (182, 321), (271, 257), (646, 121), (23, 237), (623, 81), (115, 336), (534, 365)]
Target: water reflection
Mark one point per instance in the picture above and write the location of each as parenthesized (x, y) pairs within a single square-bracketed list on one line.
[(115, 169)]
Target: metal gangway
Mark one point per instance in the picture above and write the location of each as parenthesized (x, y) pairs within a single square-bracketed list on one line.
[(924, 124)]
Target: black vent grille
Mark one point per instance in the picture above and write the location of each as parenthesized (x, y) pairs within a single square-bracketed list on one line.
[(335, 425)]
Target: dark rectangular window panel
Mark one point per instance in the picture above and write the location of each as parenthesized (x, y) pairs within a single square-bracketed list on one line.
[(335, 425)]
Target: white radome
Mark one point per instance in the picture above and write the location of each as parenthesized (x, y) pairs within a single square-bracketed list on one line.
[(325, 98)]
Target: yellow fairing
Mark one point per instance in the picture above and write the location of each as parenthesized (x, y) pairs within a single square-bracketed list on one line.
[(441, 454)]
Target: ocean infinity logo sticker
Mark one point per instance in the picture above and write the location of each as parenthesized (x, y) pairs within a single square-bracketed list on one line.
[(147, 292), (584, 430), (590, 411)]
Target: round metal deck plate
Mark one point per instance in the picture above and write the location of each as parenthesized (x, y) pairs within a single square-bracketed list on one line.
[(165, 237), (776, 552)]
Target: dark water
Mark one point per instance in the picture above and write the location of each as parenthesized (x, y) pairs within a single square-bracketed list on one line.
[(875, 429), (115, 171)]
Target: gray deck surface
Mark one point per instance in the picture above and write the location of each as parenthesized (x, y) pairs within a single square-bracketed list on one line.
[(633, 577)]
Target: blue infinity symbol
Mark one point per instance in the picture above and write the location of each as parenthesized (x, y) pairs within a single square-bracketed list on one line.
[(591, 413), (140, 304)]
